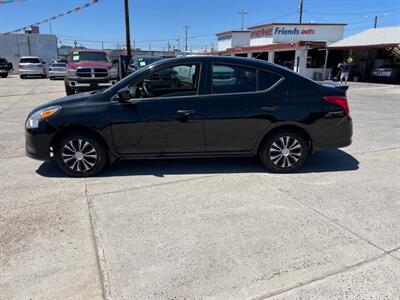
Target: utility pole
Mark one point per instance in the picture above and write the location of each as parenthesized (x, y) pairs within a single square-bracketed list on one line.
[(376, 21), (51, 32), (186, 37), (178, 43), (301, 11), (243, 13), (127, 32)]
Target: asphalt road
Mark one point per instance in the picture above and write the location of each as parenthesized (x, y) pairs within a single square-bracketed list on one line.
[(194, 229)]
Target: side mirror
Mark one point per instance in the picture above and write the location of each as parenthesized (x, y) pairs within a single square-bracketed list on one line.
[(124, 94)]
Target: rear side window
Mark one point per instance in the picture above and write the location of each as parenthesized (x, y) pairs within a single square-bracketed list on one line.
[(30, 60), (233, 79), (266, 80)]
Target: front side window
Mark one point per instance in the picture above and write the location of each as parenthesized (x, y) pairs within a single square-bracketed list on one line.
[(233, 79), (179, 80)]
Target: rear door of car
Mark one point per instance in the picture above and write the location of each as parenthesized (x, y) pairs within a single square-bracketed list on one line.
[(242, 104)]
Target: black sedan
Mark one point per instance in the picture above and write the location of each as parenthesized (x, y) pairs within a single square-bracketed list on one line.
[(200, 106)]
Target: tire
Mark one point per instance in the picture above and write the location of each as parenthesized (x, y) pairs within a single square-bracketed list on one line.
[(22, 76), (68, 90), (284, 151), (4, 75), (51, 78), (80, 154)]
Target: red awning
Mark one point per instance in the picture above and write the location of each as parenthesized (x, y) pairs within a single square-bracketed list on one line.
[(272, 47)]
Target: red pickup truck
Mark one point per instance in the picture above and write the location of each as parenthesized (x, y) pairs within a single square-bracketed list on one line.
[(89, 70)]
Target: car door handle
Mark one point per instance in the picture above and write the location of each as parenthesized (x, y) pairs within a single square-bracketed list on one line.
[(270, 108), (185, 112)]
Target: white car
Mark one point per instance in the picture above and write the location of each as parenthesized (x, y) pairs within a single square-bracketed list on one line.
[(31, 66), (57, 70)]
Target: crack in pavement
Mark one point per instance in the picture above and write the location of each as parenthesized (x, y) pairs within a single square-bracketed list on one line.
[(344, 269), (153, 185), (99, 249)]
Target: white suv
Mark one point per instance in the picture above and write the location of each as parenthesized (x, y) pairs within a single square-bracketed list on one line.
[(31, 66)]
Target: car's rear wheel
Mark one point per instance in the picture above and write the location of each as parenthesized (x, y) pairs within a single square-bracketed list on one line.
[(4, 75), (284, 151), (22, 76), (80, 154)]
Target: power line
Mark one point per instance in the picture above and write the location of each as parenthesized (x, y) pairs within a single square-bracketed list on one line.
[(354, 14)]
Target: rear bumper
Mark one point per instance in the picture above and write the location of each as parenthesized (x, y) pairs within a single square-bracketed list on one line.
[(56, 74), (31, 72), (336, 133)]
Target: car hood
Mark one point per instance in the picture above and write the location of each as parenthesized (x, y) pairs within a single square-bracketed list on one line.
[(66, 101), (94, 64)]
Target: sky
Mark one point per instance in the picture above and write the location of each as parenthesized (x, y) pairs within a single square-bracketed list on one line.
[(155, 22)]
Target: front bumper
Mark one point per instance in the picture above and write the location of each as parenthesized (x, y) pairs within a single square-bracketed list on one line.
[(38, 141), (90, 83), (3, 71)]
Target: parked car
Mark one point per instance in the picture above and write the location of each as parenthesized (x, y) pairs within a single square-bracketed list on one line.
[(5, 67), (57, 70), (138, 62), (388, 72), (215, 106), (89, 70), (31, 66)]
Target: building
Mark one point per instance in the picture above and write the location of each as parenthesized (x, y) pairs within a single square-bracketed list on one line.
[(299, 46), (13, 46), (368, 49)]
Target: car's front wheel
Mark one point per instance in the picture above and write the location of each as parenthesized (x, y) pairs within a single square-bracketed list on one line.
[(80, 155), (284, 151)]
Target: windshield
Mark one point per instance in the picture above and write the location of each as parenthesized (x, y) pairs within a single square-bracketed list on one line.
[(77, 56), (30, 60), (144, 61)]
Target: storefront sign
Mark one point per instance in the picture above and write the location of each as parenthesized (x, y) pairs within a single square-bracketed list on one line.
[(261, 32), (294, 31)]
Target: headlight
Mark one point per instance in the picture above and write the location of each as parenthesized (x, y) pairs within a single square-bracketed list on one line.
[(113, 72), (36, 117), (71, 72)]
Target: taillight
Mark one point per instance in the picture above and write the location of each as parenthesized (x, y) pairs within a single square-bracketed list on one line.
[(339, 100)]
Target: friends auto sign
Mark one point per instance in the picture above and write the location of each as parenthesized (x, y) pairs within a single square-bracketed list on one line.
[(281, 33)]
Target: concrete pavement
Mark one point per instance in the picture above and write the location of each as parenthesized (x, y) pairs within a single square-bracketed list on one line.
[(194, 229)]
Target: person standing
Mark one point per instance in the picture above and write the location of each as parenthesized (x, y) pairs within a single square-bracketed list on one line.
[(344, 68)]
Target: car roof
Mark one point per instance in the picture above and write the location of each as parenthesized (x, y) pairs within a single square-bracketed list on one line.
[(244, 61), (30, 57)]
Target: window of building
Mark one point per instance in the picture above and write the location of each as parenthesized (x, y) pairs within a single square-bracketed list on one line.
[(233, 79)]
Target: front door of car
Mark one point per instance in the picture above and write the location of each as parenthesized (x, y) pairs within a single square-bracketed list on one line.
[(163, 115), (240, 111)]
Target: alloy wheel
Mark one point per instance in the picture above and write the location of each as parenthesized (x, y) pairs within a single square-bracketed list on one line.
[(285, 152), (79, 155)]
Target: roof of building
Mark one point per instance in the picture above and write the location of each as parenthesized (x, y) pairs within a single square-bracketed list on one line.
[(273, 47), (298, 24), (232, 31), (371, 38)]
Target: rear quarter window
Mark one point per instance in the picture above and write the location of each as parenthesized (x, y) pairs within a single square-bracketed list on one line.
[(266, 80)]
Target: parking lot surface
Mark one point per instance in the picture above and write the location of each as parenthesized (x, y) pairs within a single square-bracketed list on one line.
[(204, 228)]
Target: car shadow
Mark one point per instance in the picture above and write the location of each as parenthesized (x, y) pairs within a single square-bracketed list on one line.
[(323, 161)]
